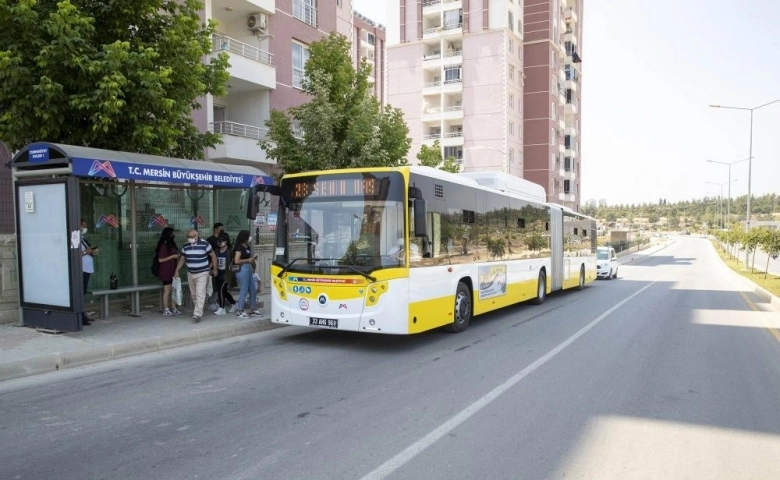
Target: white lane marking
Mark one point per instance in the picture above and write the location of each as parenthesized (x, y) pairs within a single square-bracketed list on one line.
[(445, 428)]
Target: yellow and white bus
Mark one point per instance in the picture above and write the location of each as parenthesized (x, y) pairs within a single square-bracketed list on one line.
[(409, 249)]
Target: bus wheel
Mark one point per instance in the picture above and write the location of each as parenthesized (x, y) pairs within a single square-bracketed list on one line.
[(541, 289), (581, 285), (462, 313)]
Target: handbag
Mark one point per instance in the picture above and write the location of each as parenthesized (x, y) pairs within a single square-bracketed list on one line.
[(235, 268), (176, 291)]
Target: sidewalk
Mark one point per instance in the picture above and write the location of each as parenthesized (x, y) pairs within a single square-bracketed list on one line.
[(25, 351)]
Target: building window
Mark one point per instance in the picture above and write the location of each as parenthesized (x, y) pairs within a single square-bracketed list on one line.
[(511, 72), (511, 45), (553, 134), (553, 111), (511, 129), (452, 74), (305, 11), (300, 54), (454, 152), (511, 155), (511, 21), (453, 19), (512, 100)]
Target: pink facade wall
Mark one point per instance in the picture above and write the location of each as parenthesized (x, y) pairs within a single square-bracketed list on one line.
[(405, 86)]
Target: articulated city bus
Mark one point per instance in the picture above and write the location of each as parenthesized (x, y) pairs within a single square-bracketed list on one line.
[(409, 249)]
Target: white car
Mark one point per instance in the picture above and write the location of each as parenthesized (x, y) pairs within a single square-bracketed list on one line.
[(606, 263)]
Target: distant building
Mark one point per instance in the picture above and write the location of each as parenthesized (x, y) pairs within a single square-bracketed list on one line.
[(496, 82)]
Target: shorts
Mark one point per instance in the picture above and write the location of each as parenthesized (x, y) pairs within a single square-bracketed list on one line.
[(167, 281)]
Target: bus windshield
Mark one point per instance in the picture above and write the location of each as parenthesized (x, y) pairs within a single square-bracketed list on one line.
[(342, 223)]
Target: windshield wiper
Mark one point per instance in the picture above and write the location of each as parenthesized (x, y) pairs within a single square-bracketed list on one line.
[(284, 270), (357, 271)]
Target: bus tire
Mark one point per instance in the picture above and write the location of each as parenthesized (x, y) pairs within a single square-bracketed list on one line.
[(581, 284), (541, 289), (462, 309)]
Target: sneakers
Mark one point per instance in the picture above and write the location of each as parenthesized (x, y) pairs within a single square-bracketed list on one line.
[(195, 318), (256, 313), (233, 308), (220, 311), (175, 312), (242, 314), (168, 313)]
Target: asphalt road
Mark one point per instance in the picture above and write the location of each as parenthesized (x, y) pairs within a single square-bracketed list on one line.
[(669, 372)]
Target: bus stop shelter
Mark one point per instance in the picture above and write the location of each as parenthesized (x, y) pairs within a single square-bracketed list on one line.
[(126, 200)]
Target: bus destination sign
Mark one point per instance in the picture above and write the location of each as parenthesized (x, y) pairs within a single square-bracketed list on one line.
[(351, 187)]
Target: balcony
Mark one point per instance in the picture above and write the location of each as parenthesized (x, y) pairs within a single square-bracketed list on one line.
[(571, 109), (432, 87), (571, 85), (443, 30), (570, 130), (570, 151), (570, 37), (247, 63), (452, 138), (566, 196), (437, 113), (240, 142)]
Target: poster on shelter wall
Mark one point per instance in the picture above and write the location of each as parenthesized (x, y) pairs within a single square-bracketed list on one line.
[(492, 281)]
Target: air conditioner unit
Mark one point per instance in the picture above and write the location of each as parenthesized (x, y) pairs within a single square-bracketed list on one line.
[(257, 22)]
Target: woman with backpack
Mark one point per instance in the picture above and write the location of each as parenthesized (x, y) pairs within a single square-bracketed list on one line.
[(167, 255), (220, 281)]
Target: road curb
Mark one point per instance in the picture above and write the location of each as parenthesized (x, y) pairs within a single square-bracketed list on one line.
[(53, 362), (759, 291)]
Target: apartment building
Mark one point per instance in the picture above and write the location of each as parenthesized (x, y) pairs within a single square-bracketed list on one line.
[(455, 69), (267, 42), (469, 73), (553, 33)]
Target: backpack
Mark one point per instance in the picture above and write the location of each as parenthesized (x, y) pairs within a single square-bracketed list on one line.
[(156, 264)]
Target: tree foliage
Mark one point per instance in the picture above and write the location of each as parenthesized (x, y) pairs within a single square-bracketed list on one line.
[(343, 125), (431, 157), (690, 213), (113, 74)]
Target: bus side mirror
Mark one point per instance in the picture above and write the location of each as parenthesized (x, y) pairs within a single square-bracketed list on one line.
[(259, 194), (420, 229)]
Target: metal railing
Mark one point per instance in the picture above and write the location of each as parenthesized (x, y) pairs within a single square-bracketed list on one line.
[(227, 44), (239, 130), (453, 134), (428, 3), (304, 12), (436, 83)]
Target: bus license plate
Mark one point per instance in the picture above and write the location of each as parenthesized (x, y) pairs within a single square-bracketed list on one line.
[(324, 322)]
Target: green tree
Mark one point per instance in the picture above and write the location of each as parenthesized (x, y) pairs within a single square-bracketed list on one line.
[(770, 243), (431, 157), (343, 125), (122, 75)]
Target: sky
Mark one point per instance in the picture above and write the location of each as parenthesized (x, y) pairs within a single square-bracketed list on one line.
[(650, 71)]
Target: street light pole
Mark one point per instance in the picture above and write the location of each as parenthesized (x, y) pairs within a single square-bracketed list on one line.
[(720, 201), (750, 165), (728, 164)]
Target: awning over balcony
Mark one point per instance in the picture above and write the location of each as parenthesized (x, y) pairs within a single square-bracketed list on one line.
[(99, 163)]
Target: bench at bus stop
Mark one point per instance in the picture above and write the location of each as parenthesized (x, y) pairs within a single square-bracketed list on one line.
[(105, 294)]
